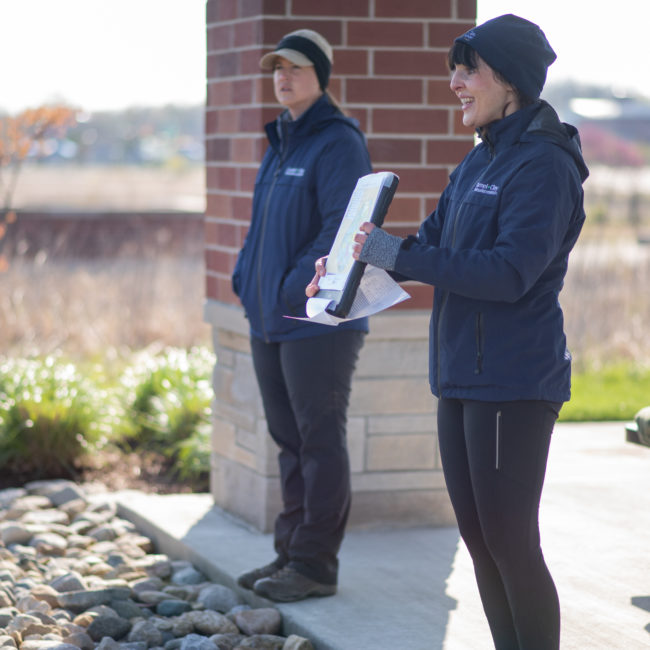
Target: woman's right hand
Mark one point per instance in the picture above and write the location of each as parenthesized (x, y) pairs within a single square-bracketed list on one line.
[(312, 288)]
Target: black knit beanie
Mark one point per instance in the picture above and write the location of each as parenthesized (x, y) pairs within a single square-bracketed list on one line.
[(514, 47)]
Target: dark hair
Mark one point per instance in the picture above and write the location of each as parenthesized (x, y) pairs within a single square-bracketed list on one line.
[(462, 54)]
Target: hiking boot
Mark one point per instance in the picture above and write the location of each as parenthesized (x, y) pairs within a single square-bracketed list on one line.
[(287, 585), (248, 579)]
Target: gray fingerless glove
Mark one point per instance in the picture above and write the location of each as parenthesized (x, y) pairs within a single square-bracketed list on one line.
[(381, 249)]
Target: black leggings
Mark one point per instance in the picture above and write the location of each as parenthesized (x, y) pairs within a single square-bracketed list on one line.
[(494, 460)]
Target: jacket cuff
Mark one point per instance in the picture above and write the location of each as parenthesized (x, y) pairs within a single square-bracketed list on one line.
[(381, 249)]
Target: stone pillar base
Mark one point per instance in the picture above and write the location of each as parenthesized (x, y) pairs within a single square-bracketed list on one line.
[(392, 439)]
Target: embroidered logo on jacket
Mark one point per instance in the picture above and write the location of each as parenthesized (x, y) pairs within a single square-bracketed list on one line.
[(294, 171), (486, 188)]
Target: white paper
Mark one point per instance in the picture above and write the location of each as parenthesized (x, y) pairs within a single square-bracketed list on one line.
[(377, 291)]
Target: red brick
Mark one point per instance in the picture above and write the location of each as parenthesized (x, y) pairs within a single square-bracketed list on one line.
[(384, 91), (359, 114), (467, 10), (273, 30), (421, 296), (447, 152), (330, 8), (443, 34), (220, 261), (403, 209), (421, 180), (224, 10), (250, 61), (209, 231), (242, 207), (222, 177), (384, 34), (218, 205), (247, 8), (242, 91), (247, 177), (350, 62), (217, 149), (413, 8), (424, 121), (430, 204), (224, 64), (439, 92), (394, 150), (409, 63), (210, 121), (220, 288), (219, 37), (246, 33), (249, 120), (211, 11), (228, 120)]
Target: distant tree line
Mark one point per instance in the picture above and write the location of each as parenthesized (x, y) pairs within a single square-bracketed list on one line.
[(146, 135)]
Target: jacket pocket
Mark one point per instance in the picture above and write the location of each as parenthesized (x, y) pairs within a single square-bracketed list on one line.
[(478, 369)]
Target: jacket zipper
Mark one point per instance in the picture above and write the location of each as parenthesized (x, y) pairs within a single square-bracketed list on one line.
[(265, 214), (497, 459), (479, 344)]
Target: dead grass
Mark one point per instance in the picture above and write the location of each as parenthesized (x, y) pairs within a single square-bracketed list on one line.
[(88, 308)]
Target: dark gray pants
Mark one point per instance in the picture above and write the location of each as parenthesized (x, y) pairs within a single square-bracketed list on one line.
[(305, 386)]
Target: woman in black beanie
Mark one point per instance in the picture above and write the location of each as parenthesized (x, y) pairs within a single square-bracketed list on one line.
[(496, 250)]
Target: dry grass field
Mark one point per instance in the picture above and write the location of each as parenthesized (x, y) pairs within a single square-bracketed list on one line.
[(90, 307)]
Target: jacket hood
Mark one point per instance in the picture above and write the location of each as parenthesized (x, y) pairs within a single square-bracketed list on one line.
[(547, 125), (317, 117)]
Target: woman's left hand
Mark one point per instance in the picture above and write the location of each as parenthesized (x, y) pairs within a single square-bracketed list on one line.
[(360, 238)]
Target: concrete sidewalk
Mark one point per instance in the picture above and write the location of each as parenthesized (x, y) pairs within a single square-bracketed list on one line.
[(414, 589)]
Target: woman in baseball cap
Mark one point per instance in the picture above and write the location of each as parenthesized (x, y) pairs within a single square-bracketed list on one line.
[(314, 159)]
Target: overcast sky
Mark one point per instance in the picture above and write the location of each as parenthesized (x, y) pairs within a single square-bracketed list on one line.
[(107, 54)]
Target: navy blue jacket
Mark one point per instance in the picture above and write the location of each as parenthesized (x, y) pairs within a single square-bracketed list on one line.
[(302, 189), (496, 249)]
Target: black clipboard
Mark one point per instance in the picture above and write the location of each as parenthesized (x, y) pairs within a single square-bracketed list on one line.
[(369, 202)]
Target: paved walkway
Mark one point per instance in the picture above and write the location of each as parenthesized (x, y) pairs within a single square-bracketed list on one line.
[(414, 589)]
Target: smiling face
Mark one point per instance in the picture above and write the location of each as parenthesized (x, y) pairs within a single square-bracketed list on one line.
[(296, 87), (483, 97)]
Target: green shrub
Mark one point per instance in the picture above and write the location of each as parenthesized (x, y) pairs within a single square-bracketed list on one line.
[(167, 398), (49, 416)]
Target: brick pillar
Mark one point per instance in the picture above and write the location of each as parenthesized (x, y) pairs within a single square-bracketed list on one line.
[(390, 73)]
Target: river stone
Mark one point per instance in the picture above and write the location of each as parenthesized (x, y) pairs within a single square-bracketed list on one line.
[(9, 495), (44, 644), (209, 622), (145, 632), (196, 642), (46, 593), (72, 581), (265, 620), (79, 601), (218, 597), (46, 516), (263, 642), (112, 626), (151, 583), (172, 607), (15, 533), (49, 543), (227, 641), (295, 642), (187, 576)]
